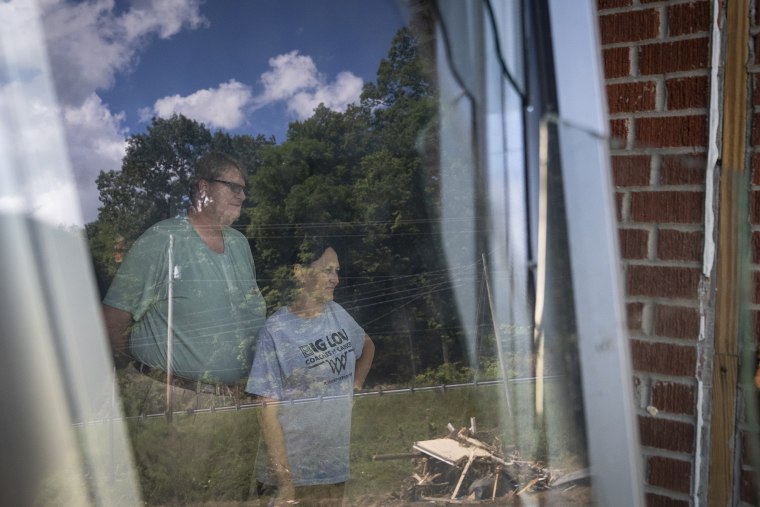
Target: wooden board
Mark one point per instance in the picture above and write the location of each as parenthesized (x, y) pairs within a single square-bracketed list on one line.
[(448, 450)]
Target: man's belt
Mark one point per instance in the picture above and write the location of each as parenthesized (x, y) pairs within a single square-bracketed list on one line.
[(195, 386)]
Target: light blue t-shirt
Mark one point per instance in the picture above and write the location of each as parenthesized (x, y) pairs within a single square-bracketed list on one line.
[(309, 363), (217, 306)]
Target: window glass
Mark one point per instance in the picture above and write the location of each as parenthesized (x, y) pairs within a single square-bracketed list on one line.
[(241, 262)]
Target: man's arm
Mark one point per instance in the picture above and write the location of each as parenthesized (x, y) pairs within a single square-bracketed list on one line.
[(271, 432), (118, 324), (364, 362)]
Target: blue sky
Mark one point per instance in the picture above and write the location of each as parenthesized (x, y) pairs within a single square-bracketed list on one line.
[(243, 66), (236, 42)]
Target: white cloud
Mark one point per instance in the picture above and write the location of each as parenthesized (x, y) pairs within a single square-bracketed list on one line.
[(89, 43), (166, 18), (55, 172), (221, 107), (37, 173), (294, 79), (54, 149), (96, 141), (290, 74), (16, 18), (337, 95)]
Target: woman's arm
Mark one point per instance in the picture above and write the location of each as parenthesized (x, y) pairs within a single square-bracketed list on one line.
[(364, 362)]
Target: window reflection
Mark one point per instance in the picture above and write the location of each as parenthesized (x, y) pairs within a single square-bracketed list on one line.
[(428, 187)]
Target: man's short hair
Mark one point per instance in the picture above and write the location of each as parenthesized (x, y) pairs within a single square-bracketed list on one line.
[(211, 166)]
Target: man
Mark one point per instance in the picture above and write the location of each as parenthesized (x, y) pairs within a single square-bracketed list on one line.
[(216, 307)]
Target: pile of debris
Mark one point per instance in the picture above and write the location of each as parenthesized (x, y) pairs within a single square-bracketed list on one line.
[(462, 467)]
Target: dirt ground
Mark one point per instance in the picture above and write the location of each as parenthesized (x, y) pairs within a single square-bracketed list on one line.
[(576, 495), (572, 495)]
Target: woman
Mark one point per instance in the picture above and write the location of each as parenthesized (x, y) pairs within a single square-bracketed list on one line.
[(311, 350)]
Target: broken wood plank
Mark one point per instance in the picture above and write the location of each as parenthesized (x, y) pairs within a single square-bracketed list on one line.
[(464, 472), (528, 486), (449, 451)]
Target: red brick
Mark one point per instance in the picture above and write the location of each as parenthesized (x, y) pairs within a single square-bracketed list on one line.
[(664, 434), (672, 131), (757, 47), (634, 313), (654, 500), (683, 170), (664, 57), (755, 89), (744, 439), (629, 26), (755, 130), (754, 212), (631, 97), (675, 245), (676, 322), (667, 207), (664, 358), (633, 243), (689, 18), (673, 397), (756, 327), (687, 92), (672, 474), (756, 278), (617, 62), (619, 197), (662, 281), (756, 168), (619, 130), (748, 488), (611, 4), (631, 170), (756, 247)]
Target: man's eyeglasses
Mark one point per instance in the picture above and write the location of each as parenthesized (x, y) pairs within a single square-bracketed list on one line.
[(234, 187)]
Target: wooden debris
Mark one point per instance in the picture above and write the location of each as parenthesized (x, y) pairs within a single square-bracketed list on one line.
[(464, 473), (447, 450), (461, 466)]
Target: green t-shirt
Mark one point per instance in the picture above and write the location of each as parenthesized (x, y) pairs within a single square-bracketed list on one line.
[(217, 306)]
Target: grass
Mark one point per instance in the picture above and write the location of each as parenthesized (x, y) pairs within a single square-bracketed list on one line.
[(208, 458)]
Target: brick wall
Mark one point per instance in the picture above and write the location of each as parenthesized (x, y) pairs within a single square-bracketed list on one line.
[(656, 56)]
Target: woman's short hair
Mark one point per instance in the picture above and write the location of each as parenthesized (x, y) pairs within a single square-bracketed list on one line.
[(310, 250), (303, 252)]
